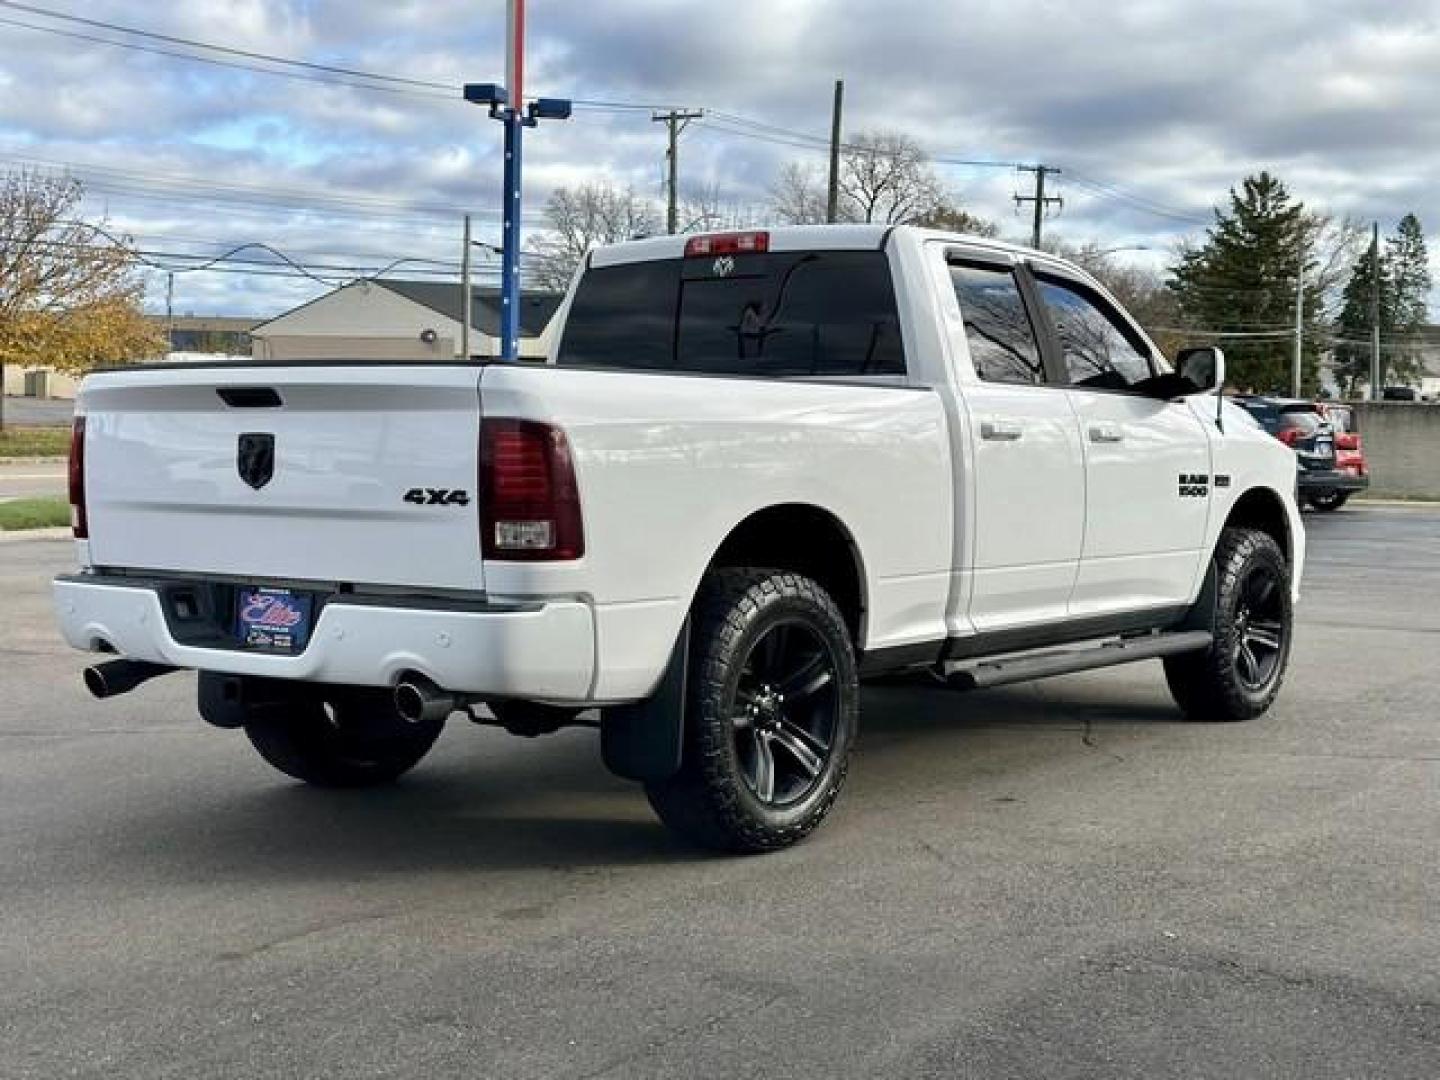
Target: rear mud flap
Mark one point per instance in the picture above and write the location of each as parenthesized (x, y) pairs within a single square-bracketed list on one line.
[(645, 741)]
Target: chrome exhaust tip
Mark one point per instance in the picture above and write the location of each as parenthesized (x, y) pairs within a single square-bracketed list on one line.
[(417, 699)]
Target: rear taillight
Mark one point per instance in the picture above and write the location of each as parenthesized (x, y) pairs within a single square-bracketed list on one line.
[(1347, 440), (78, 520), (736, 243), (529, 502), (1288, 435)]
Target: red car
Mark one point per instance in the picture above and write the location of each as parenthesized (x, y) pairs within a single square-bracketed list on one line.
[(1349, 454)]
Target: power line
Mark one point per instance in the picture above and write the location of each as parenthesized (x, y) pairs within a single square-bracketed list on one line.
[(332, 69), (217, 62), (1110, 191), (374, 80), (231, 262), (358, 78), (144, 184)]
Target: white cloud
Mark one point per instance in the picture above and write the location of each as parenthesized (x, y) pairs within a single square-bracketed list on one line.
[(1164, 105)]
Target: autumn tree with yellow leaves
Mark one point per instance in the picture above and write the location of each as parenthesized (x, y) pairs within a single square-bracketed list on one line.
[(69, 294)]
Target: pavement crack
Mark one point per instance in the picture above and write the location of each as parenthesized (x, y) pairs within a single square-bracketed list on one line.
[(324, 927), (1089, 739)]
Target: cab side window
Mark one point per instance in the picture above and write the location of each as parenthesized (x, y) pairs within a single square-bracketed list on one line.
[(1100, 350), (997, 327)]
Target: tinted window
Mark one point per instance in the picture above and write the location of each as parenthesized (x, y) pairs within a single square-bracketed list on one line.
[(1002, 341), (1267, 416), (1301, 420), (1099, 350), (623, 316), (802, 313)]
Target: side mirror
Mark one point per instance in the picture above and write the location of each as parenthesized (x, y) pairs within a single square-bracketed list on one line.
[(1203, 366)]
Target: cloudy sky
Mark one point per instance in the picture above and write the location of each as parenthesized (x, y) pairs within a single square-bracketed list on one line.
[(1152, 110)]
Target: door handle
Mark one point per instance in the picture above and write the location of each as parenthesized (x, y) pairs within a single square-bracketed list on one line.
[(1000, 430), (1106, 433)]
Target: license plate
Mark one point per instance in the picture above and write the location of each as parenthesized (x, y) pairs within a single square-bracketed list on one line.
[(275, 620), (1324, 448)]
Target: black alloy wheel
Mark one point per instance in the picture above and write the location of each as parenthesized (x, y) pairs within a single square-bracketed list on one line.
[(772, 699), (785, 712), (1260, 628), (1238, 676)]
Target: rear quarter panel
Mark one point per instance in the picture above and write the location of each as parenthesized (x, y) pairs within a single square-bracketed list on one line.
[(668, 465)]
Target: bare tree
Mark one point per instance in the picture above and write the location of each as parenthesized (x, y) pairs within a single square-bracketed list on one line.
[(1332, 246), (69, 293), (577, 219), (706, 208), (797, 197), (886, 177)]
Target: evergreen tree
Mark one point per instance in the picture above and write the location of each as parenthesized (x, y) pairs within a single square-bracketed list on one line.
[(1404, 310), (1410, 279), (1353, 327), (1243, 280)]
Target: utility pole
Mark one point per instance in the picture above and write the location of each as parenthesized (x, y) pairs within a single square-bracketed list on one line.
[(832, 203), (465, 298), (170, 311), (1375, 393), (1040, 199), (677, 120), (1299, 327)]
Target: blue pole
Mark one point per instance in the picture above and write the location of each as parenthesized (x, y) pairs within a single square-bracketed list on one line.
[(510, 242)]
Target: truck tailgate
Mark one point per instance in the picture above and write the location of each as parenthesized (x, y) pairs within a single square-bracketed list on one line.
[(176, 474)]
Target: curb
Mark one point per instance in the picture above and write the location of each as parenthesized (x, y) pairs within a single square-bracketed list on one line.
[(58, 532), (1413, 504)]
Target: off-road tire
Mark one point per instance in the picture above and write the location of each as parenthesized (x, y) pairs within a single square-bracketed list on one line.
[(340, 737), (711, 800), (1213, 685)]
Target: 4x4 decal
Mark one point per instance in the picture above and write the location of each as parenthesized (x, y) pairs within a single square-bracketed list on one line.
[(438, 497)]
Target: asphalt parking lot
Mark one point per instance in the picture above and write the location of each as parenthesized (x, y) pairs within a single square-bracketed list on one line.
[(38, 412), (1053, 880)]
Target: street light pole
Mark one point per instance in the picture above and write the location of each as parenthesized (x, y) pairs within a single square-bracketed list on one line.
[(1295, 362), (510, 227), (507, 104)]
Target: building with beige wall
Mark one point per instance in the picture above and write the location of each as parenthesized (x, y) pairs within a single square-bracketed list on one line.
[(400, 320)]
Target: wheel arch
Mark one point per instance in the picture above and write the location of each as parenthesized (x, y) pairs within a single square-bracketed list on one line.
[(809, 540), (1262, 508)]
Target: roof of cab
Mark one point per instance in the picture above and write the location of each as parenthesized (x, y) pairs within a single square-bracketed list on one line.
[(841, 237)]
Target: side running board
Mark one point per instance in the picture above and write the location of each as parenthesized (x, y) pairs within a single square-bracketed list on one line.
[(1022, 667)]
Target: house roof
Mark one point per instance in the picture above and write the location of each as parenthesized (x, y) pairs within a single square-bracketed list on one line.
[(444, 297)]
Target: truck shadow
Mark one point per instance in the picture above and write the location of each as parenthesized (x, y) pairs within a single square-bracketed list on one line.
[(486, 802)]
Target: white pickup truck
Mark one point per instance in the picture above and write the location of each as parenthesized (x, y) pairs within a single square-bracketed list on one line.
[(760, 467)]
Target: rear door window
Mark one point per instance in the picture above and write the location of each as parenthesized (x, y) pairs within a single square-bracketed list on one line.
[(997, 326), (827, 313)]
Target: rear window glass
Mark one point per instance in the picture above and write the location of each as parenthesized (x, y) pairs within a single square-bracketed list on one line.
[(1266, 415), (777, 314), (1301, 420), (997, 327)]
